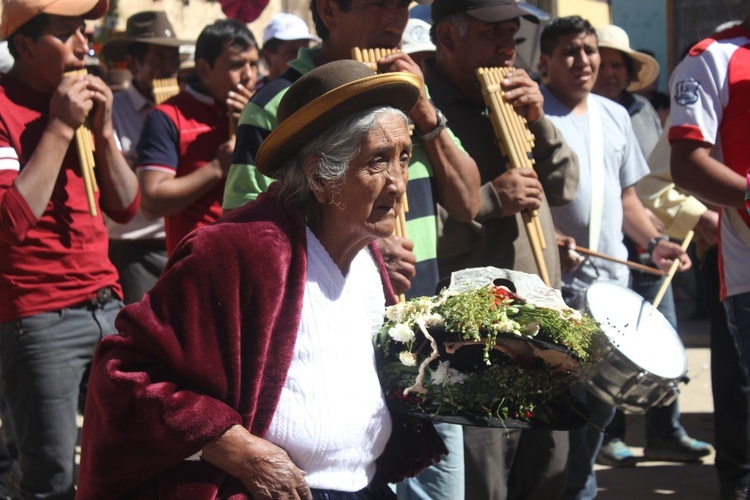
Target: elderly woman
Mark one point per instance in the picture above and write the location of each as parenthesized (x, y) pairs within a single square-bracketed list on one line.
[(248, 371)]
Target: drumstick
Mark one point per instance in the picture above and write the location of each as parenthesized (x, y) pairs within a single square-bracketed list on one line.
[(671, 272), (629, 263)]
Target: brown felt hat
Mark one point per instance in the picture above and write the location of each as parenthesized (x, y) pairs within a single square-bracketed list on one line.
[(151, 26), (326, 95), (16, 13)]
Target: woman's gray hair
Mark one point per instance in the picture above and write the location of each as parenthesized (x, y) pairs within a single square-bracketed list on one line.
[(334, 149)]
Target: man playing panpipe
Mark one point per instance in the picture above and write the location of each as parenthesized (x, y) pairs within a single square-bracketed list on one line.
[(439, 170), (185, 147), (151, 51), (58, 291), (514, 464)]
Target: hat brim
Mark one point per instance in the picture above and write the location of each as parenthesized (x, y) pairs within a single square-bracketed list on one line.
[(116, 49), (88, 9), (500, 13), (399, 90)]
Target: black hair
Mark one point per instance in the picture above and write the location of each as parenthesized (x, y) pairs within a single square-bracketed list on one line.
[(272, 45), (32, 28), (563, 26), (222, 33), (320, 27)]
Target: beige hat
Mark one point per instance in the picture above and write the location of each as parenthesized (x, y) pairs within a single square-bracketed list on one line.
[(645, 67), (16, 13)]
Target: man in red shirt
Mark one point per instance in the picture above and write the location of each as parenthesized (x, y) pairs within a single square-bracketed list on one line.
[(186, 146), (58, 291)]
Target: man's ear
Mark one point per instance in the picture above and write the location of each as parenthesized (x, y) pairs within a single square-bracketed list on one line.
[(131, 62), (544, 64), (202, 69), (446, 34), (328, 10), (24, 45)]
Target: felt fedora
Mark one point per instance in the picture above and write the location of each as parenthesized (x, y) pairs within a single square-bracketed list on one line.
[(645, 67), (16, 13), (151, 26), (489, 11), (324, 96)]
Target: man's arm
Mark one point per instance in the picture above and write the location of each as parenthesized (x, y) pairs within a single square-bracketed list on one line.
[(117, 182), (162, 193), (455, 172), (694, 170)]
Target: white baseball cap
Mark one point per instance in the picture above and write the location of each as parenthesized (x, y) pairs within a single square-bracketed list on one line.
[(286, 27), (416, 37)]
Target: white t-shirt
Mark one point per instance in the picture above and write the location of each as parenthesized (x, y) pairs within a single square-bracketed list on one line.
[(624, 165)]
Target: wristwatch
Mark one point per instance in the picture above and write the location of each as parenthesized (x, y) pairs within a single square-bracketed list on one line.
[(655, 241), (441, 125)]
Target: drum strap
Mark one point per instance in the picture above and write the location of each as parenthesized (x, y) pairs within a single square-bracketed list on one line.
[(596, 171)]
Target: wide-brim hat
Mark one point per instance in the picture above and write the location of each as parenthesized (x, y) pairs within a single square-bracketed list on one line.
[(152, 27), (326, 95), (489, 11), (16, 13), (645, 67)]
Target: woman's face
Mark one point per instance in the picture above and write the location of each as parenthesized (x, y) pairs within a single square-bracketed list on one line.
[(370, 196)]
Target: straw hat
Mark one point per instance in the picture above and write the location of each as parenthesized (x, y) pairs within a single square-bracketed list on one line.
[(152, 27), (645, 67), (326, 95), (16, 13)]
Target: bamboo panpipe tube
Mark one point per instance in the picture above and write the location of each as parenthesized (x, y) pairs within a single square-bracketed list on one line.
[(84, 145), (671, 272), (516, 142), (164, 88)]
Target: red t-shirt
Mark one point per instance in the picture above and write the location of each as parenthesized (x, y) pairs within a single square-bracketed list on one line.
[(180, 136), (60, 259)]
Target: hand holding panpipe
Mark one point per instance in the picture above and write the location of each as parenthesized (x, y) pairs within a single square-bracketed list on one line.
[(516, 143), (633, 265), (85, 146)]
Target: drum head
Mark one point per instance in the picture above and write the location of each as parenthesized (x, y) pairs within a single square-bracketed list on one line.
[(637, 329)]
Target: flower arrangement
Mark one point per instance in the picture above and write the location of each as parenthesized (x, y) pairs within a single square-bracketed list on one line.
[(521, 357)]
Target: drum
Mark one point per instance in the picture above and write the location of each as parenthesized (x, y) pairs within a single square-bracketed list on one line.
[(646, 359)]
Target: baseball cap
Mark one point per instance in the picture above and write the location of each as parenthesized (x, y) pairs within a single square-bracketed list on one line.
[(287, 27), (16, 13), (489, 11), (416, 37)]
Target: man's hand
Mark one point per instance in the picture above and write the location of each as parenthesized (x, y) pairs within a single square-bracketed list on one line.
[(400, 261), (423, 115), (101, 94), (237, 99), (71, 102), (570, 260), (664, 254), (708, 227), (224, 155), (519, 189), (524, 94)]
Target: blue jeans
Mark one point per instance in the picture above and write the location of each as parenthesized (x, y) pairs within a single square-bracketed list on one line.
[(42, 362), (445, 479), (662, 423)]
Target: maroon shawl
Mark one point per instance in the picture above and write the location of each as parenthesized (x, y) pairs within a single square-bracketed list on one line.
[(208, 348)]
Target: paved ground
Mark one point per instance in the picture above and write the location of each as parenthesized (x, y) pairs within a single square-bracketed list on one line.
[(660, 480)]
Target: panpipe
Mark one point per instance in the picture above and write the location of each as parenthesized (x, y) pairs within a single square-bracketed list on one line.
[(516, 143), (370, 57), (164, 88), (85, 146)]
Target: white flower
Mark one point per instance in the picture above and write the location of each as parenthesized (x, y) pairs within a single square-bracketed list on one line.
[(397, 312), (445, 375), (407, 358), (401, 333), (434, 320), (423, 305)]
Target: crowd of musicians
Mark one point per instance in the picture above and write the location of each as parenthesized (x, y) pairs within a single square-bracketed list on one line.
[(196, 251)]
